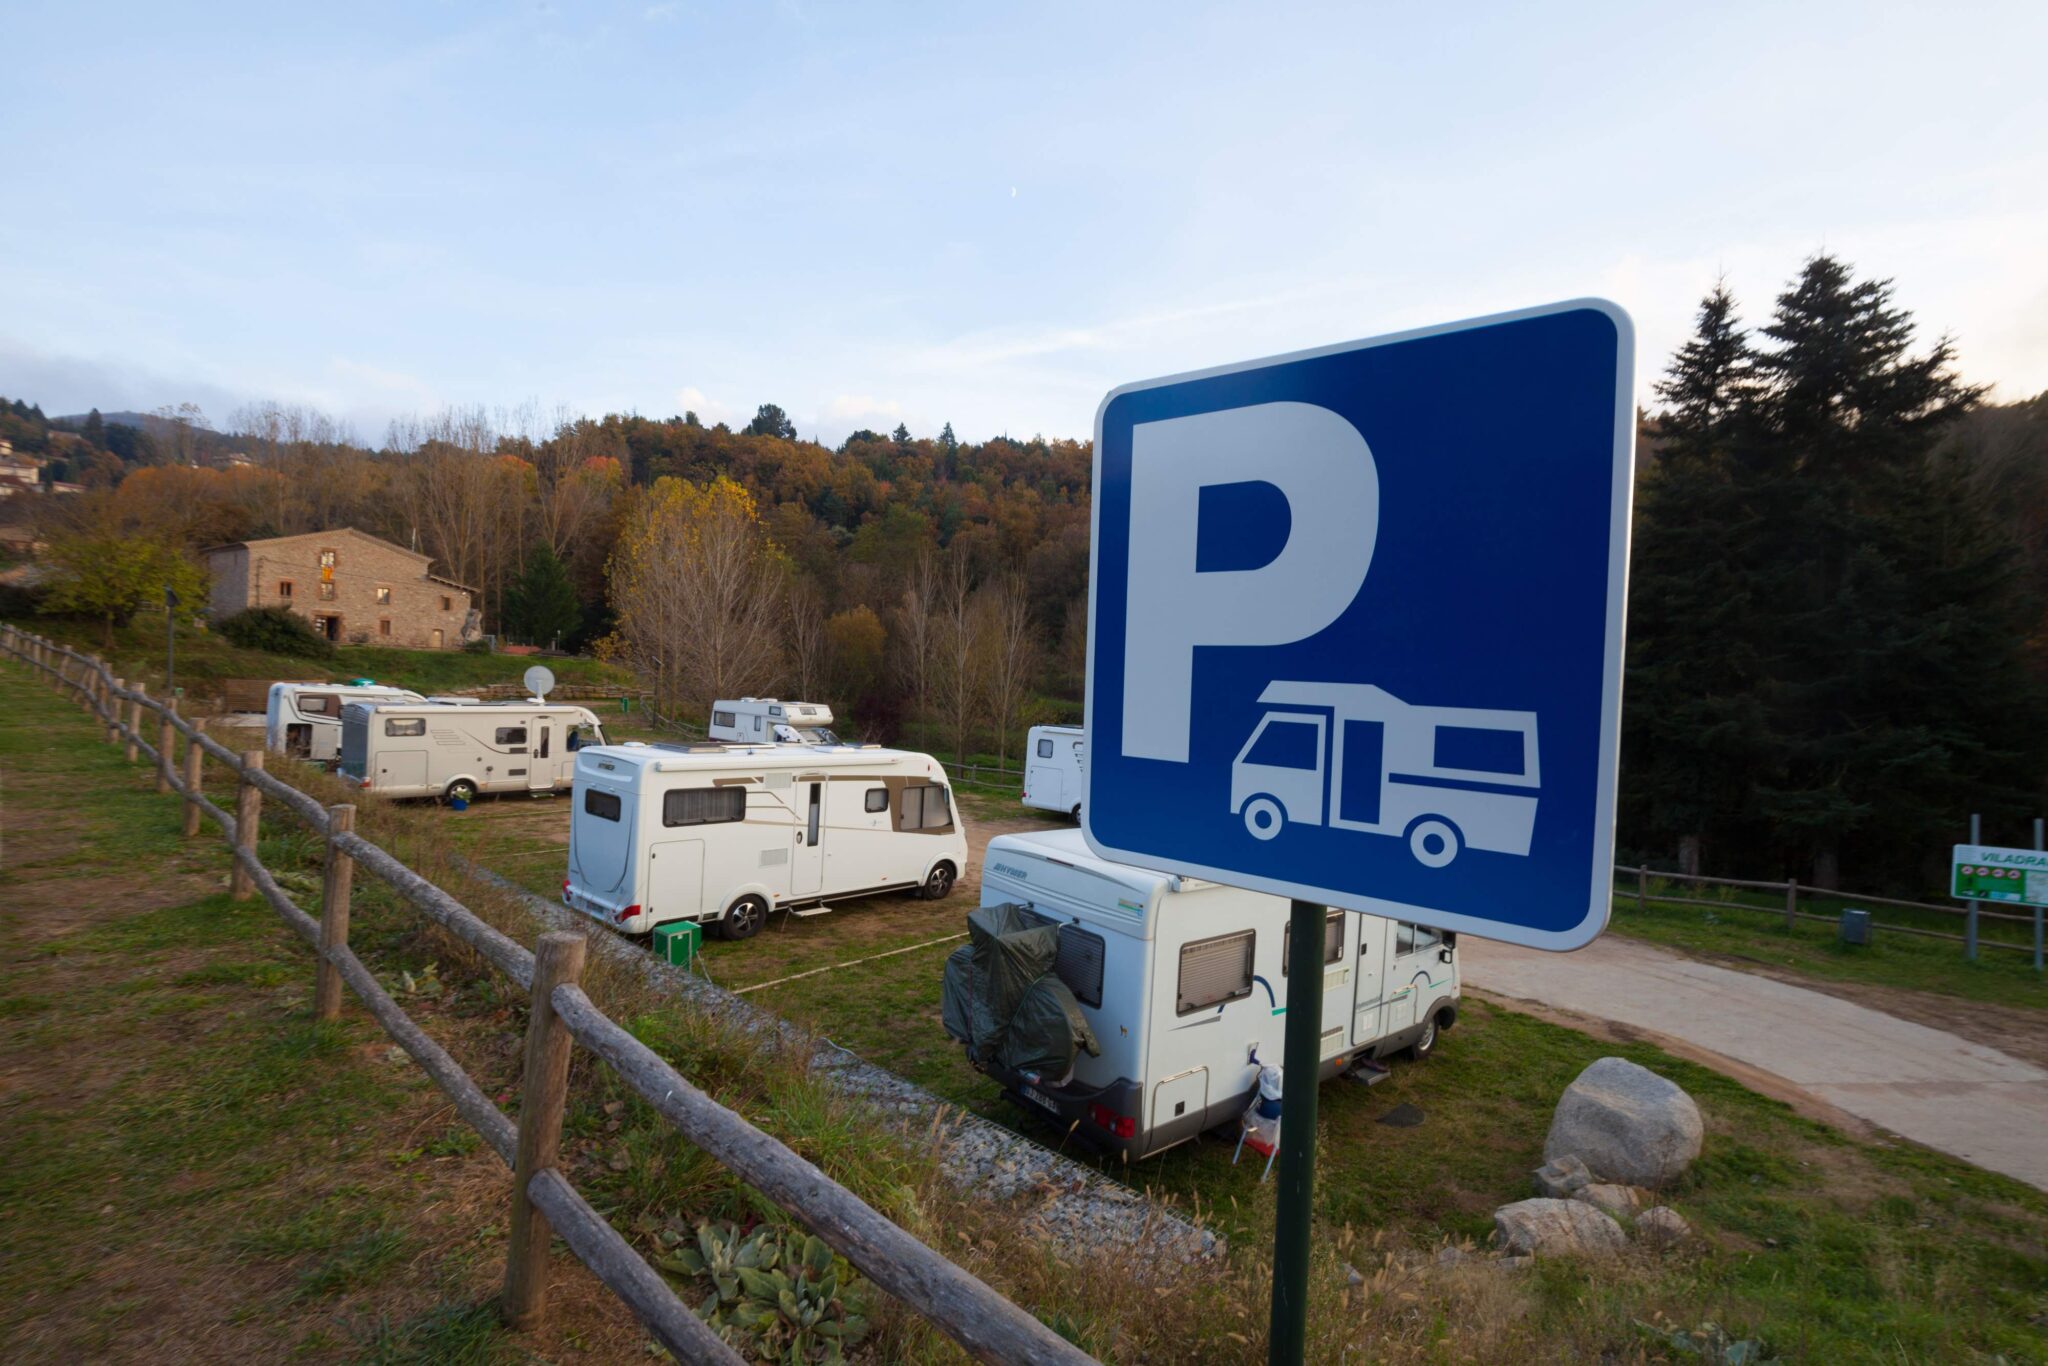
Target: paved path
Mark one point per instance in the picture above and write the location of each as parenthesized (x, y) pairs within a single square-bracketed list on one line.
[(1932, 1087)]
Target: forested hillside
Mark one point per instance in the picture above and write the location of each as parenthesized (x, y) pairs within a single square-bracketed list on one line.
[(1839, 599)]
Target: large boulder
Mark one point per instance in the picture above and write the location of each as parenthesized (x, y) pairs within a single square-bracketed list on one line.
[(1626, 1123), (1556, 1228), (1662, 1227)]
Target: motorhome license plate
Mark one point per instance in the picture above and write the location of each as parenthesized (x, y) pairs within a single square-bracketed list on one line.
[(1040, 1099)]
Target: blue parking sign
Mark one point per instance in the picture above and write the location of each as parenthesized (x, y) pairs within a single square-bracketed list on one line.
[(1355, 628)]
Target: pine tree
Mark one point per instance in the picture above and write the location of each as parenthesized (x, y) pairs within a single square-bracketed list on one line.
[(1694, 694), (542, 608), (1874, 725), (95, 430)]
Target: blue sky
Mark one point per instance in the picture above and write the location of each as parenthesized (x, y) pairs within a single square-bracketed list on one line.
[(988, 214)]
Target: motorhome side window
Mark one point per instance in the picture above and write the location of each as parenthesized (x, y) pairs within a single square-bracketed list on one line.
[(704, 805), (581, 734), (926, 807), (603, 805), (1414, 938), (1215, 971), (511, 735), (406, 725), (1045, 749), (877, 800), (721, 718), (1333, 940), (316, 706)]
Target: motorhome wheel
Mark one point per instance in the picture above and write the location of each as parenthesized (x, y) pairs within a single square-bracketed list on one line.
[(939, 883), (1433, 840), (1263, 817), (1424, 1042), (461, 790), (745, 919), (1076, 813)]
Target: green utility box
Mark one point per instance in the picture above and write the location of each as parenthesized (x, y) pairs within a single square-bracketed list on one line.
[(678, 942)]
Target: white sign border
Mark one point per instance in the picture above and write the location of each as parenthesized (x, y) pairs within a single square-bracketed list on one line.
[(1621, 501)]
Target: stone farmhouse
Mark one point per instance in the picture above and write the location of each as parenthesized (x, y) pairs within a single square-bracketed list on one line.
[(354, 588)]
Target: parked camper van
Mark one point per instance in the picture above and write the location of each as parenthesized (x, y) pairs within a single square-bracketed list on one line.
[(304, 719), (428, 749), (1055, 771), (1184, 984), (1440, 778), (724, 835), (770, 721)]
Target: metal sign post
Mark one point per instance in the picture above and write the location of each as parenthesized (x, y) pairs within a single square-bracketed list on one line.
[(1355, 640)]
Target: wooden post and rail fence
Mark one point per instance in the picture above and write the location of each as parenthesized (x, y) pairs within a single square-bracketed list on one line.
[(544, 1205)]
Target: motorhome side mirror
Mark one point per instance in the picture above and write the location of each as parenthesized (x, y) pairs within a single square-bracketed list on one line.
[(1445, 954)]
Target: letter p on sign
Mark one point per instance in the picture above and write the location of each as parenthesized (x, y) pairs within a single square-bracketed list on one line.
[(1219, 560)]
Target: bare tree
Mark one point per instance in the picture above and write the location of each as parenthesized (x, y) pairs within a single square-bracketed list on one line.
[(958, 658), (916, 632), (809, 646), (1009, 649)]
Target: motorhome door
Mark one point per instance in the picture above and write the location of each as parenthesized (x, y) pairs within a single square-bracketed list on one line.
[(1369, 974), (807, 860), (1339, 930), (1411, 975), (540, 752), (675, 880)]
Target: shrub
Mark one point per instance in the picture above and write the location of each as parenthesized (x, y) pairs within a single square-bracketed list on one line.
[(275, 630)]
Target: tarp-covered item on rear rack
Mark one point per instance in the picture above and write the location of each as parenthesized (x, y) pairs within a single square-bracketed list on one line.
[(999, 996)]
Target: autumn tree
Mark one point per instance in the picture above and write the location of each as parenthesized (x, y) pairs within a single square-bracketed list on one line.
[(697, 587), (957, 654), (111, 578), (1010, 655), (809, 646)]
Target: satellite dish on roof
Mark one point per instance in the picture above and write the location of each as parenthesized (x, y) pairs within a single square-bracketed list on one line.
[(540, 680)]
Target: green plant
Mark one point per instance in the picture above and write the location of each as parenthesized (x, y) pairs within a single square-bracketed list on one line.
[(776, 1291), (277, 630)]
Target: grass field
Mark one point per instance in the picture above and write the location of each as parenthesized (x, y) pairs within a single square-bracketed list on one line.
[(204, 659), (190, 1167)]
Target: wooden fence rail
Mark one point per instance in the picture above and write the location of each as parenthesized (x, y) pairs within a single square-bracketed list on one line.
[(984, 1323)]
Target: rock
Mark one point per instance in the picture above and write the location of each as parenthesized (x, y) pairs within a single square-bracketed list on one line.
[(1662, 1226), (1627, 1124), (1554, 1228), (1451, 1255), (1560, 1176), (1619, 1201)]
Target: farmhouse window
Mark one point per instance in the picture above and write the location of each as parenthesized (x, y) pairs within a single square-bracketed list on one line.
[(384, 626), (704, 806), (284, 588), (1215, 971), (327, 592), (383, 597), (447, 604)]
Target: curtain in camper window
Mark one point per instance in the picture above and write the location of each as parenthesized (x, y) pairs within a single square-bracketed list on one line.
[(926, 808), (1214, 971), (1333, 940), (704, 805)]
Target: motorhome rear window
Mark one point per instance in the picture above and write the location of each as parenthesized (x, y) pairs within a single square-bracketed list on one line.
[(704, 805), (1479, 751), (406, 725), (926, 808), (877, 799), (511, 735), (1215, 971), (1079, 964), (1045, 749), (603, 805), (1333, 940)]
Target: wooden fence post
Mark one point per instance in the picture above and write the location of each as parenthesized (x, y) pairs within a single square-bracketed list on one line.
[(166, 748), (248, 810), (1791, 904), (334, 891), (135, 721), (114, 714), (557, 958), (195, 778)]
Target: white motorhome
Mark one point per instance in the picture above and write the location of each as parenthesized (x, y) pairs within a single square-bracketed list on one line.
[(1441, 778), (1184, 983), (304, 719), (1055, 769), (771, 721), (723, 835), (430, 749)]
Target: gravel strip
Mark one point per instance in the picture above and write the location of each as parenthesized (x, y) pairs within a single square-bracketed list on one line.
[(1078, 1209)]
